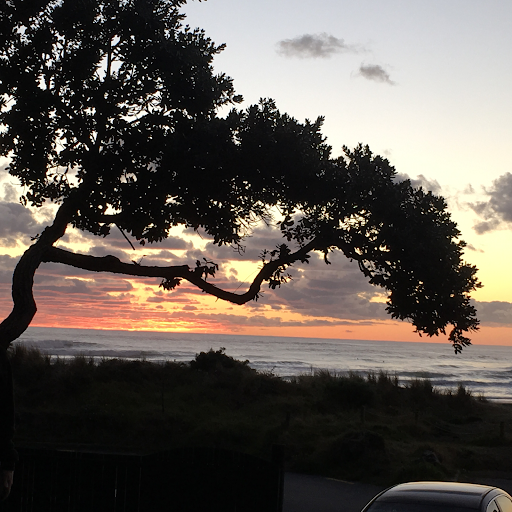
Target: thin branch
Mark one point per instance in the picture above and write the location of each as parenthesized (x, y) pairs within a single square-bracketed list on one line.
[(125, 237)]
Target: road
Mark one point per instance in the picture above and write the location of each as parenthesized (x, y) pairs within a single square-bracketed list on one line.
[(305, 493)]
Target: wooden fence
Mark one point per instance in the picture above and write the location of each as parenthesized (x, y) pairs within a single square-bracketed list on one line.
[(185, 480)]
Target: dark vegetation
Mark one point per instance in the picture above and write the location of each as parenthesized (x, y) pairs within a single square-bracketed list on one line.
[(371, 428)]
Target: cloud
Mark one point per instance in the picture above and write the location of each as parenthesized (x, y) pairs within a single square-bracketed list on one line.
[(375, 73), (117, 240), (314, 46), (497, 209), (495, 312), (337, 294), (11, 193), (17, 224), (471, 247), (337, 291), (236, 322), (421, 181), (7, 264)]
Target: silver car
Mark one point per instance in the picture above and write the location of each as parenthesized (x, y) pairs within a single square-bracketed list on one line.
[(440, 497)]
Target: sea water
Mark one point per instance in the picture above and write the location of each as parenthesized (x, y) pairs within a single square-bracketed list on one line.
[(484, 370)]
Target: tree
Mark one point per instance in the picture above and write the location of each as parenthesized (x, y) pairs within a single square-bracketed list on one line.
[(110, 110)]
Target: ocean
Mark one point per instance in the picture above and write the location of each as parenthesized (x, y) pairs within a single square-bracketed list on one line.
[(484, 370)]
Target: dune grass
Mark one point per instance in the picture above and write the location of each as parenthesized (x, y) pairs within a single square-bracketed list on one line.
[(364, 427)]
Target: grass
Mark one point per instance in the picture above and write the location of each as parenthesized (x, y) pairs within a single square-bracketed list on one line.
[(370, 428)]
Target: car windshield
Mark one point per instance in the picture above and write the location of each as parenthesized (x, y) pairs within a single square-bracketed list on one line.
[(389, 506)]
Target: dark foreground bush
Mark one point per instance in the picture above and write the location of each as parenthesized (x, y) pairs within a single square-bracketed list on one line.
[(217, 361), (346, 426)]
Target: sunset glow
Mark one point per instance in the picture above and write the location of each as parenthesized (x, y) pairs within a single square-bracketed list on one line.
[(426, 88)]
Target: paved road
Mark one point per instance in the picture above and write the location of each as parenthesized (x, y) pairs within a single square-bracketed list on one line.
[(304, 493)]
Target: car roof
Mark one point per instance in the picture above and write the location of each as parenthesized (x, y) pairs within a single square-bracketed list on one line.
[(449, 493)]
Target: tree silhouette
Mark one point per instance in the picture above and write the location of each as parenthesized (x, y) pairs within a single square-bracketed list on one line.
[(110, 110)]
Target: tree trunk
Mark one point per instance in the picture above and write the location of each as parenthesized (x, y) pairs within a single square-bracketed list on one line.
[(24, 305)]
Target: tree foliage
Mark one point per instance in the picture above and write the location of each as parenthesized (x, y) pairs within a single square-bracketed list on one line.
[(110, 109)]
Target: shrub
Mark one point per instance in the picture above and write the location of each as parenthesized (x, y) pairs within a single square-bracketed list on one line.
[(215, 361)]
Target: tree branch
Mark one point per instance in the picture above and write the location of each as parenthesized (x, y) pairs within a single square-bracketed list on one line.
[(116, 266), (111, 264)]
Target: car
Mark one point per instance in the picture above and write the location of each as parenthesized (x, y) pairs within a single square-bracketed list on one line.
[(440, 497)]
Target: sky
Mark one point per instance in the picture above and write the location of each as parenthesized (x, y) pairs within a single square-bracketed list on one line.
[(425, 84)]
